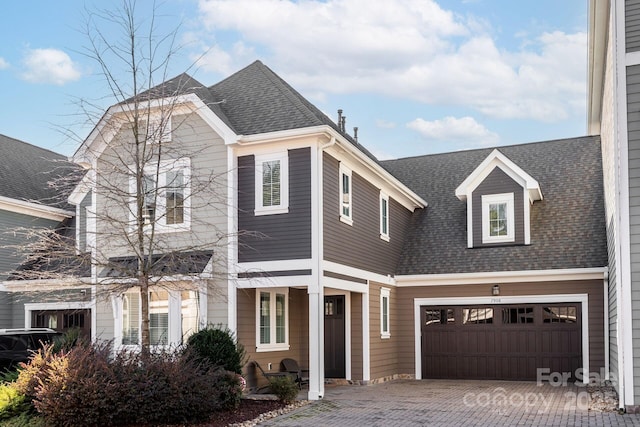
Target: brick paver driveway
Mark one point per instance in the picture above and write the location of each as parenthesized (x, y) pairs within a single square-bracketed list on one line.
[(453, 403)]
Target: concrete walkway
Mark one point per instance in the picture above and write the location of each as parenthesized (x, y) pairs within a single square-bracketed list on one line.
[(453, 403)]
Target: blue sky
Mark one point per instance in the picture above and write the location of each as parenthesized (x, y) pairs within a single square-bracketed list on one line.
[(415, 76)]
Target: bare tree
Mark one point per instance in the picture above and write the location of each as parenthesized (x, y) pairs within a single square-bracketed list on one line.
[(157, 216)]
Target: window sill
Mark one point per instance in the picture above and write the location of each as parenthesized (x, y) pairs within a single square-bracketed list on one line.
[(262, 348), (385, 336), (384, 237), (271, 211), (506, 239), (346, 220)]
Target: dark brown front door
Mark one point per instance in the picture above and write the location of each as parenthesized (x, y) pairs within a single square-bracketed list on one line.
[(334, 345), (63, 320), (508, 342)]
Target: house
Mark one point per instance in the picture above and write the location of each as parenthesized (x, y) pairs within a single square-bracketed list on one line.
[(476, 264), (614, 67), (29, 204)]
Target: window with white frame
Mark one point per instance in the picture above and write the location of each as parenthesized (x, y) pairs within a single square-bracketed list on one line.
[(173, 317), (272, 183), (385, 331), (384, 217), (498, 218), (166, 195), (346, 197), (272, 315)]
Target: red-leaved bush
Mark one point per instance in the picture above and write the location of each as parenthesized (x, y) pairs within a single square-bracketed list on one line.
[(89, 385)]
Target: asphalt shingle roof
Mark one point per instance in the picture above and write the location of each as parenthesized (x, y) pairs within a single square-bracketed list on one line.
[(567, 226), (26, 172)]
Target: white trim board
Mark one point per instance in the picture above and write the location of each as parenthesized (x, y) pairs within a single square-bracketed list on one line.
[(334, 267), (526, 276), (583, 299), (34, 209)]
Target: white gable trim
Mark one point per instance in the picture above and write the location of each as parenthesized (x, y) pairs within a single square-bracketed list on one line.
[(497, 159), (113, 119), (34, 209)]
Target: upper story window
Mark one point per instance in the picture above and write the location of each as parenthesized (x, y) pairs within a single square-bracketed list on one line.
[(272, 183), (498, 218), (346, 197), (272, 313), (166, 192), (384, 217)]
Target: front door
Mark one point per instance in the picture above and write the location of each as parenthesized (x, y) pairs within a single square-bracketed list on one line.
[(334, 343)]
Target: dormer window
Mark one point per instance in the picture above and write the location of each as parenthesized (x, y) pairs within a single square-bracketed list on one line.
[(498, 218), (499, 195)]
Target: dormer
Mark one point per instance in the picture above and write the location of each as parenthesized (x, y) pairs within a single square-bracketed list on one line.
[(499, 195)]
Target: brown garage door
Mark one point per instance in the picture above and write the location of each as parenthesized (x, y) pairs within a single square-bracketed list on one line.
[(499, 341)]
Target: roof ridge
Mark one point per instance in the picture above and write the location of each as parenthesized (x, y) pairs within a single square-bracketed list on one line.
[(494, 147)]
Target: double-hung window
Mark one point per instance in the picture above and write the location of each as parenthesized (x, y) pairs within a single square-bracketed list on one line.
[(165, 194), (272, 313), (498, 218), (385, 331), (384, 217), (173, 317), (272, 183), (346, 197)]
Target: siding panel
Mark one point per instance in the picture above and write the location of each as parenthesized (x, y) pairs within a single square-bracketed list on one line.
[(359, 245), (282, 236), (632, 25)]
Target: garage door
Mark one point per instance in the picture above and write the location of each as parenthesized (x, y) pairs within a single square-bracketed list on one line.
[(499, 341)]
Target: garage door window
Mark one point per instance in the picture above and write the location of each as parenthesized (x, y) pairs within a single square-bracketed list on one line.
[(517, 315), (477, 316), (560, 314), (443, 316)]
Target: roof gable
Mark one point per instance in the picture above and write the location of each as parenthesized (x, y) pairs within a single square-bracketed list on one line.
[(498, 160)]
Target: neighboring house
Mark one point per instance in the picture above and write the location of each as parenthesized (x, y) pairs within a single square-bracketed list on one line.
[(613, 113), (485, 264), (29, 202)]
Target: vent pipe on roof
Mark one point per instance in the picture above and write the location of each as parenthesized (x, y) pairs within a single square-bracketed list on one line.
[(343, 127), (340, 119), (355, 133)]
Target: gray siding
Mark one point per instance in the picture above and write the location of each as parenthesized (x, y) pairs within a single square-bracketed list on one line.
[(633, 117), (6, 308), (82, 222), (498, 182), (280, 236), (11, 238), (632, 25), (359, 245)]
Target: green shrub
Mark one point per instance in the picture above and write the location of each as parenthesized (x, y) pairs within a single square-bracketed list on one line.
[(284, 387), (8, 376), (24, 420), (12, 402), (219, 347)]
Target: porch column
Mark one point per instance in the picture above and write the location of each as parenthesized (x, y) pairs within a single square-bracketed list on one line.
[(316, 343)]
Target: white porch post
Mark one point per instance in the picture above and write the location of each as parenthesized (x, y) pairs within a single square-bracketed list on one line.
[(316, 345)]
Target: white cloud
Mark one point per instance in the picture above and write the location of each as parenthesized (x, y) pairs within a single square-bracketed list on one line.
[(49, 66), (3, 64), (410, 49), (464, 130)]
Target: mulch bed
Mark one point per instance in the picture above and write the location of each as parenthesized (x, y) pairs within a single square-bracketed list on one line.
[(248, 410)]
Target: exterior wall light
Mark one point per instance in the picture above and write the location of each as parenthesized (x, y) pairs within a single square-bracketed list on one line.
[(495, 290)]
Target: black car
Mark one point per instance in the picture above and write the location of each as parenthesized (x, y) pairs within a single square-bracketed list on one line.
[(17, 345)]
